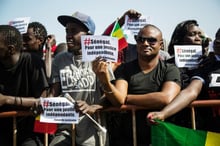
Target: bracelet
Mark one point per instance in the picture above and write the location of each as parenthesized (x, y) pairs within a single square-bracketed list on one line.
[(15, 101), (20, 100)]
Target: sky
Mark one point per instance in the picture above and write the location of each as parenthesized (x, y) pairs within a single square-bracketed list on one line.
[(165, 14)]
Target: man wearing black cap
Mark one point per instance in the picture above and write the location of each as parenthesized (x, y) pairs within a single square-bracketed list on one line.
[(71, 75)]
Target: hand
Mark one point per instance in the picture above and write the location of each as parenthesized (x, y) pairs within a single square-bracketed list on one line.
[(50, 41), (152, 116), (115, 65), (37, 108), (84, 108), (100, 67), (132, 14)]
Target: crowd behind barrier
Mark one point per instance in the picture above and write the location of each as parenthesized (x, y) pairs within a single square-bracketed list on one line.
[(193, 36), (133, 108)]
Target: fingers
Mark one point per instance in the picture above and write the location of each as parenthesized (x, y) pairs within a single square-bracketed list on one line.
[(99, 65), (133, 14), (82, 106), (152, 117)]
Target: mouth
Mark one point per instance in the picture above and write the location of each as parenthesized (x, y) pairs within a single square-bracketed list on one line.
[(147, 49), (70, 43)]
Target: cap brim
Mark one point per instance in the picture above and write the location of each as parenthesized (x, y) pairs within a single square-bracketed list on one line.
[(63, 19)]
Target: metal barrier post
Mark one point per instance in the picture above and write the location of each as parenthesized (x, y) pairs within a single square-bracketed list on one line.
[(14, 131), (134, 127), (73, 135), (45, 139), (193, 118)]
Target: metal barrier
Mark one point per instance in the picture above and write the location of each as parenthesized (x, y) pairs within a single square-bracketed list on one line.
[(132, 108), (15, 114), (201, 103)]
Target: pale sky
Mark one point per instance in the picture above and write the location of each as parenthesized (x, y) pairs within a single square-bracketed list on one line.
[(165, 14)]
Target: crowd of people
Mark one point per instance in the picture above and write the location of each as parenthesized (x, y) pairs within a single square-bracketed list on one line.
[(33, 65)]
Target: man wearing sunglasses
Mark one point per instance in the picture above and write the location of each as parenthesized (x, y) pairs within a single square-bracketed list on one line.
[(146, 81)]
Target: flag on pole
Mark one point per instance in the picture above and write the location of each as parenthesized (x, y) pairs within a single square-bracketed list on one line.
[(167, 134), (41, 127), (118, 33)]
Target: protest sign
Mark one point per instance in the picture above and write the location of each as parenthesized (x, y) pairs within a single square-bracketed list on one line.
[(103, 46), (134, 25), (187, 55), (58, 110), (21, 24)]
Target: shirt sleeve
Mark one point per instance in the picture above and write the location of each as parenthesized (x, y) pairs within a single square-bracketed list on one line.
[(173, 74)]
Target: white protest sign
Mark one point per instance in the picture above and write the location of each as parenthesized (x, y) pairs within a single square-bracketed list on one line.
[(187, 55), (134, 25), (58, 110), (103, 46), (21, 24)]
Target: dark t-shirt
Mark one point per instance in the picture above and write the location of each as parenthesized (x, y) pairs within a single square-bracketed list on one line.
[(27, 79), (139, 83)]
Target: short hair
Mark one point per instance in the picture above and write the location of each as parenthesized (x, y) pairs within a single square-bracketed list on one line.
[(11, 36), (38, 29), (40, 32), (179, 34), (150, 25)]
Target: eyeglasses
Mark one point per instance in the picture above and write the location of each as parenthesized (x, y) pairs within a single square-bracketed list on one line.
[(150, 40)]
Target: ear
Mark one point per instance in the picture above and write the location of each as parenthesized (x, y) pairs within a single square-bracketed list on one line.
[(162, 43), (11, 49)]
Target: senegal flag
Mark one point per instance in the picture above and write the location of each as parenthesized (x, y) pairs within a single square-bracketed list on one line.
[(118, 33), (40, 127), (167, 134)]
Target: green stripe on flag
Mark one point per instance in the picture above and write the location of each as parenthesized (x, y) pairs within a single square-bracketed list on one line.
[(167, 134), (118, 33)]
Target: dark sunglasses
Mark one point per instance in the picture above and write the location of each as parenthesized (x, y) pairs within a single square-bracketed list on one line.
[(150, 40)]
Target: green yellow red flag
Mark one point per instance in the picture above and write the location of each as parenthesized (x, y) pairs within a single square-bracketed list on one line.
[(168, 134)]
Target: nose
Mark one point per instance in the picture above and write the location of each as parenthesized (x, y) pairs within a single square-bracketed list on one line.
[(69, 36), (146, 43)]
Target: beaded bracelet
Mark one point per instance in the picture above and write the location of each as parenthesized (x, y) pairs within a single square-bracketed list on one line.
[(15, 101), (20, 100)]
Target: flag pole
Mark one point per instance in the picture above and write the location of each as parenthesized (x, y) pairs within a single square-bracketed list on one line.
[(73, 135), (45, 139)]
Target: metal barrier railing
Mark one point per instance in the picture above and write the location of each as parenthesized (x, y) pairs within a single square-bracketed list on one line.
[(15, 114), (132, 108), (201, 103)]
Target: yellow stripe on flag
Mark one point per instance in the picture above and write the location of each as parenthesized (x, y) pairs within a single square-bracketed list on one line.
[(118, 33), (38, 118), (212, 139)]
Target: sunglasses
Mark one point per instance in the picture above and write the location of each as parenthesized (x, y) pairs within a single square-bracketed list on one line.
[(141, 39)]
